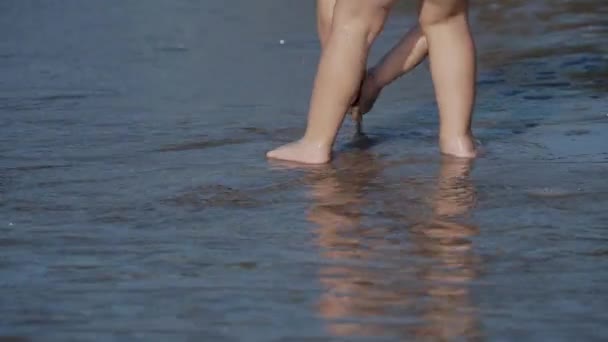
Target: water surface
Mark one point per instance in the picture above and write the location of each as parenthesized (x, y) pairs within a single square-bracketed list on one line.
[(135, 202)]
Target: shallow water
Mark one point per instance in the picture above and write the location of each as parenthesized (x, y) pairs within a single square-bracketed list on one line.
[(135, 202)]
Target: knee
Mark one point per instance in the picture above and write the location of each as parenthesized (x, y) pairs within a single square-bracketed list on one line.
[(360, 19), (435, 12)]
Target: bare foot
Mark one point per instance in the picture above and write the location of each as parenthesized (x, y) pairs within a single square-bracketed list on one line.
[(461, 146), (368, 94), (302, 152)]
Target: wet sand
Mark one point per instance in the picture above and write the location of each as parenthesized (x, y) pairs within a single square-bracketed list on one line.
[(136, 203)]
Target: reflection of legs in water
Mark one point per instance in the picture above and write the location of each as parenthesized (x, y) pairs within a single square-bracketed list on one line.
[(446, 241), (453, 198), (368, 280), (350, 292), (355, 25), (337, 192), (455, 194)]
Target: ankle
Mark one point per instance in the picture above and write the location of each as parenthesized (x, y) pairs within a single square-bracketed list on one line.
[(456, 138), (458, 144), (467, 134), (317, 144)]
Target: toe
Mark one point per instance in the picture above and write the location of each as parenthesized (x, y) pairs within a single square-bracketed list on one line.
[(271, 154)]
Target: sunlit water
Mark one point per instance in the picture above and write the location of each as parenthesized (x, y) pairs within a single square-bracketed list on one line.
[(135, 202)]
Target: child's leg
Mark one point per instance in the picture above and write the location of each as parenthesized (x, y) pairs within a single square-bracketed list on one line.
[(403, 57), (325, 17), (325, 14), (356, 24), (452, 56)]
